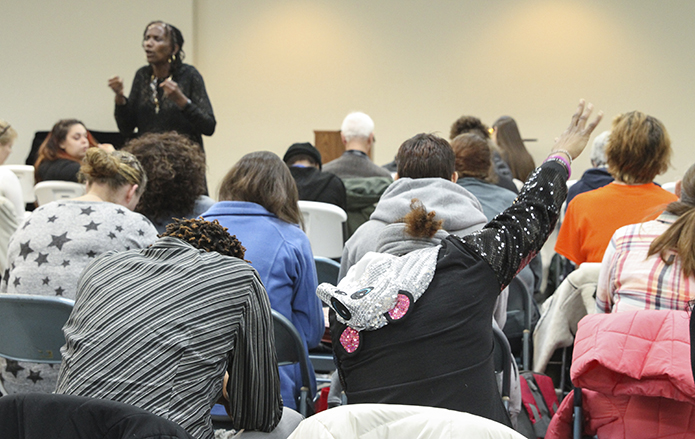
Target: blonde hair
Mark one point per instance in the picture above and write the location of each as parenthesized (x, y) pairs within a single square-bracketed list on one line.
[(115, 169), (639, 148), (7, 133)]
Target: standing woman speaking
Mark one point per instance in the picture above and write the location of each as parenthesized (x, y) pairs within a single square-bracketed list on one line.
[(167, 95)]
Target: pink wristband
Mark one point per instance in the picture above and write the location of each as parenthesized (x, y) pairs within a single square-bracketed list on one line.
[(563, 160)]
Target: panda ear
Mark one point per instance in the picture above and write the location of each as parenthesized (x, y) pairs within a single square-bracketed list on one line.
[(350, 340), (404, 300)]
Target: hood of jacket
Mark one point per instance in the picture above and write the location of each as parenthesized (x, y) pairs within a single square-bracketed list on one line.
[(459, 209)]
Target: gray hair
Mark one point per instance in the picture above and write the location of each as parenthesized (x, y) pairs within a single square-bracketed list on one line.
[(598, 150), (356, 125)]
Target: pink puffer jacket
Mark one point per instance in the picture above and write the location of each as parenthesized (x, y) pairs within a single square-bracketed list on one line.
[(634, 371)]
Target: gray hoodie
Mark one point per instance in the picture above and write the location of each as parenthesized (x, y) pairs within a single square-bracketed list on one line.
[(458, 208)]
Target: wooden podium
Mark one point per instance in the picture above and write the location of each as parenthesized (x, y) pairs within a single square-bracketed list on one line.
[(329, 144)]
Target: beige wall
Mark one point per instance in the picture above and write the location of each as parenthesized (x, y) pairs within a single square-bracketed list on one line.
[(277, 70)]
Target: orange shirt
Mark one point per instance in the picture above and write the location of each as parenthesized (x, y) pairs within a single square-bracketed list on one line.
[(592, 217)]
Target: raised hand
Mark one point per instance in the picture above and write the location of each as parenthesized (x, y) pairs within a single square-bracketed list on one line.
[(576, 136)]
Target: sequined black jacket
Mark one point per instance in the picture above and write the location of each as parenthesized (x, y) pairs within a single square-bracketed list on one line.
[(194, 120), (440, 354)]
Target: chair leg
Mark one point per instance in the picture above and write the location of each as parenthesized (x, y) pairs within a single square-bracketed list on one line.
[(303, 409), (577, 426)]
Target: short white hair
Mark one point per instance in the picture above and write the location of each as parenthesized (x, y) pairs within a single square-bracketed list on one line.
[(598, 150), (356, 125)]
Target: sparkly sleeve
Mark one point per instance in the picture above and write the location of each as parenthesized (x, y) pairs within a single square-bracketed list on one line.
[(515, 236)]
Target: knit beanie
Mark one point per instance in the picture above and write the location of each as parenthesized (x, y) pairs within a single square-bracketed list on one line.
[(305, 148)]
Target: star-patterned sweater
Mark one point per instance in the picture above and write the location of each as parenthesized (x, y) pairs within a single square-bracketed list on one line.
[(47, 255)]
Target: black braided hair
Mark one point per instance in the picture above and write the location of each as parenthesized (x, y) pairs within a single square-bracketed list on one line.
[(205, 235)]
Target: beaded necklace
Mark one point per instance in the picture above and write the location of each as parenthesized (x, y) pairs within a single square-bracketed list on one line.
[(153, 85)]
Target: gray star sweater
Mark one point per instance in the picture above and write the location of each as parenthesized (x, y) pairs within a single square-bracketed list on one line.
[(47, 255)]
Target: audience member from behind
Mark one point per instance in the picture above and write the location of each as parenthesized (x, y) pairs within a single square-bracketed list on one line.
[(357, 134), (638, 150), (258, 202), (652, 265), (166, 94), (49, 251), (414, 328), (426, 171), (61, 153), (597, 176), (175, 167), (476, 175), (304, 162), (473, 125), (10, 187), (507, 136), (159, 327)]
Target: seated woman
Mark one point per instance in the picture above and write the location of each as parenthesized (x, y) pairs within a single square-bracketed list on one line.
[(258, 202), (175, 167), (9, 183), (638, 150), (61, 154), (651, 265), (507, 136), (11, 199), (50, 250), (415, 329)]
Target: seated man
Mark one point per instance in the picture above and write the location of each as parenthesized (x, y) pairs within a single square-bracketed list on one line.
[(158, 328), (426, 171), (597, 176), (357, 134), (304, 162), (411, 325)]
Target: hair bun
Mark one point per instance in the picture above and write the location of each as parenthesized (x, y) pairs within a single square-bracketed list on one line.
[(98, 164)]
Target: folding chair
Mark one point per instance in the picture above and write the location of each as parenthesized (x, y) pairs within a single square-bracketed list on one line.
[(25, 175), (54, 416), (327, 270), (32, 328), (53, 190), (289, 349), (324, 224)]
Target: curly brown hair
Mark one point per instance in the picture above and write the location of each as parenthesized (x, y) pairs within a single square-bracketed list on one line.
[(206, 235), (175, 167), (468, 124)]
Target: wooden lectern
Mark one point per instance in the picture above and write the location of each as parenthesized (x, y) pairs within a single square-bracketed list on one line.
[(329, 145)]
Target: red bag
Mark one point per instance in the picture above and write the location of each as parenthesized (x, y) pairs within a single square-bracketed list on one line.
[(540, 400)]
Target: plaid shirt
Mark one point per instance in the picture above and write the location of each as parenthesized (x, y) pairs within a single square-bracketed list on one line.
[(631, 281)]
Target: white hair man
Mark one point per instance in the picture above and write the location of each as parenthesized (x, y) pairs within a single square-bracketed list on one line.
[(357, 134), (597, 176)]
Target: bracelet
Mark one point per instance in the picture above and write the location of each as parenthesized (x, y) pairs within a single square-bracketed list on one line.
[(567, 153), (560, 159)]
